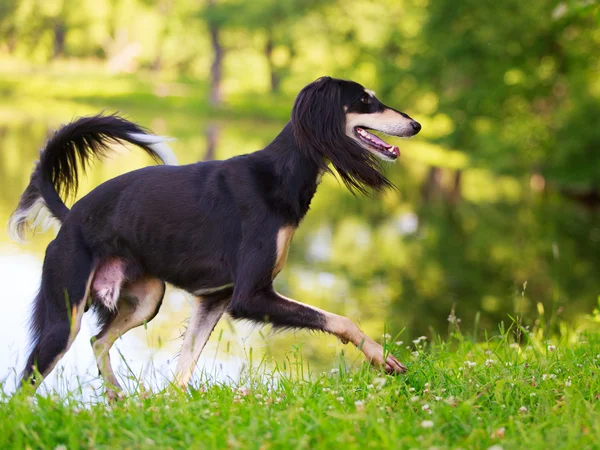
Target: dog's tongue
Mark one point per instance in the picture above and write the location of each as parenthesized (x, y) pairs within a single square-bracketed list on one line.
[(379, 142)]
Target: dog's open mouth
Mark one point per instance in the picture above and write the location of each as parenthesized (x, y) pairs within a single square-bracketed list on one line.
[(386, 150)]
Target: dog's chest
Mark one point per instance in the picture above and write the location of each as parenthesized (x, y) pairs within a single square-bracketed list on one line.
[(284, 237)]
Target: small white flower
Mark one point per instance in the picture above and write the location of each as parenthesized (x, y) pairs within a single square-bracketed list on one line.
[(533, 394), (414, 399), (411, 389), (379, 381), (552, 376), (568, 382), (425, 407), (415, 354), (386, 336), (437, 398), (523, 409), (369, 386), (427, 424), (514, 345), (470, 363), (334, 371), (496, 447), (399, 343), (551, 348), (326, 389), (380, 420), (359, 403), (489, 362), (426, 384), (544, 377), (340, 399)]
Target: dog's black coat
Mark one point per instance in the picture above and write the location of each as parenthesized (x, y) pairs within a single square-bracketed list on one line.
[(200, 226)]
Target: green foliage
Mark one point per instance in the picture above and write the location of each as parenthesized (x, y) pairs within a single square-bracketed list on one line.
[(457, 394)]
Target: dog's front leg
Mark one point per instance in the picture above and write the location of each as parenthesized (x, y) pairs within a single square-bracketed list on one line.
[(267, 306)]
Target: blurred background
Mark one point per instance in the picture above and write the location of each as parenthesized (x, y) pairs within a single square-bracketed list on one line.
[(496, 215)]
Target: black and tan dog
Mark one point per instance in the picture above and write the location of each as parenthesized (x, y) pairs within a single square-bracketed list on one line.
[(220, 230)]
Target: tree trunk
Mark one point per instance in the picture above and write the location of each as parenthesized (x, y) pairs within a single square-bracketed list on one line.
[(216, 68), (60, 31), (212, 139), (432, 185), (455, 193), (275, 78)]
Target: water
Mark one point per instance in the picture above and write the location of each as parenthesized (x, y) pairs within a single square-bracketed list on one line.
[(395, 262)]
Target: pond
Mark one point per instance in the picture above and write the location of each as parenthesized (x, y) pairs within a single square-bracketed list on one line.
[(397, 263)]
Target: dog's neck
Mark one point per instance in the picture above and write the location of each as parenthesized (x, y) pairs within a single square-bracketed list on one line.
[(294, 178)]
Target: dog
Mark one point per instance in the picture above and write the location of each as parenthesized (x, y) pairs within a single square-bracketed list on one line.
[(219, 230)]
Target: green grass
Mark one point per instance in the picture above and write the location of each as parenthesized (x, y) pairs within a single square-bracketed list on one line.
[(457, 394)]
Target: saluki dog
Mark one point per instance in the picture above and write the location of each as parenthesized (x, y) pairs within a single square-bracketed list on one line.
[(219, 230)]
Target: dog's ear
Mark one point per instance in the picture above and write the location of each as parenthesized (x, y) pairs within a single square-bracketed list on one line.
[(318, 117)]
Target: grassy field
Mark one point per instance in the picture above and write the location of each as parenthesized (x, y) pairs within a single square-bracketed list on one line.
[(457, 394)]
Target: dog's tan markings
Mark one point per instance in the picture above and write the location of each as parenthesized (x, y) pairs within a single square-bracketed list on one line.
[(284, 237), (202, 323), (75, 325), (147, 292), (346, 331)]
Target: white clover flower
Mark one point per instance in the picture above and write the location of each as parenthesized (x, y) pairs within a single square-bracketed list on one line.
[(427, 424), (334, 371), (470, 363), (379, 381), (551, 348), (414, 399), (523, 409), (399, 343), (359, 403), (489, 362), (386, 336), (568, 382), (425, 407)]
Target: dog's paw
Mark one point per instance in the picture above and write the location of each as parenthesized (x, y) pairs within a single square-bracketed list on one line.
[(114, 395), (376, 356), (393, 366)]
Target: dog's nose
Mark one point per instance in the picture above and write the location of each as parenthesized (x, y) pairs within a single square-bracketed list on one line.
[(416, 126)]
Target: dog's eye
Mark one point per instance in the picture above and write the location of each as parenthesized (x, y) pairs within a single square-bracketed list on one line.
[(366, 99)]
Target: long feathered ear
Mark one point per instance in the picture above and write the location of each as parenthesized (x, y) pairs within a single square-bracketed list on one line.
[(319, 122)]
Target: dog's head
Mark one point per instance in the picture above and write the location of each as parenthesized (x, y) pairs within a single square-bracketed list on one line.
[(332, 120)]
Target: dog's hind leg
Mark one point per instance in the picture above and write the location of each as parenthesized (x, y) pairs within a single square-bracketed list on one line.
[(59, 306), (206, 312), (139, 303)]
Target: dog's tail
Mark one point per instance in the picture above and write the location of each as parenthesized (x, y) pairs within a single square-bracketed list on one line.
[(72, 147)]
